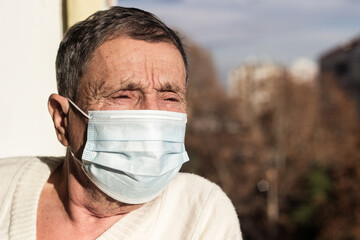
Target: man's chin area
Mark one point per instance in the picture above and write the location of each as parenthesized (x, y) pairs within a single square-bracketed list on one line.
[(101, 205), (126, 207), (122, 204), (113, 208), (120, 208)]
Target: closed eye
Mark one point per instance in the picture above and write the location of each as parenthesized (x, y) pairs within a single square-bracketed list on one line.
[(122, 96), (170, 96), (172, 99)]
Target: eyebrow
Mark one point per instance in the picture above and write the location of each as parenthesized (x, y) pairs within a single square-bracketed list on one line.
[(124, 85), (170, 87), (130, 86)]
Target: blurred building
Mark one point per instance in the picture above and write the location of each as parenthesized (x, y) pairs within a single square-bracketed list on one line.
[(303, 71), (255, 86), (342, 64)]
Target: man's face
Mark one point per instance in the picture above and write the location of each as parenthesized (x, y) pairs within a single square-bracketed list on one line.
[(127, 74)]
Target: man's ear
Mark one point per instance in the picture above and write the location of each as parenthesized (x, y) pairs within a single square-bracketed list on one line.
[(58, 108)]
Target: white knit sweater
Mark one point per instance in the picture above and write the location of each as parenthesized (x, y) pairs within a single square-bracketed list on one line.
[(190, 207)]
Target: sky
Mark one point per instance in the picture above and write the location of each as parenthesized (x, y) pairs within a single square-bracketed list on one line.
[(235, 31)]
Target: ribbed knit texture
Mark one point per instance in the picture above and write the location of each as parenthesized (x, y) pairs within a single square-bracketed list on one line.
[(189, 208), (26, 198)]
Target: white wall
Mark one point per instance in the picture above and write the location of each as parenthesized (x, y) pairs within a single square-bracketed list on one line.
[(30, 33)]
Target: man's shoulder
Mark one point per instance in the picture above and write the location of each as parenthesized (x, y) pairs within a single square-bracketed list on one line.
[(203, 205), (12, 168), (11, 165), (16, 175), (191, 178), (197, 188), (191, 186)]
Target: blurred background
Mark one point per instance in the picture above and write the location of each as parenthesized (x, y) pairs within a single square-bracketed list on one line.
[(274, 102)]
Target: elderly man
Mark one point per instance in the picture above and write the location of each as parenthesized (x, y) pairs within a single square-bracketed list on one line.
[(121, 113)]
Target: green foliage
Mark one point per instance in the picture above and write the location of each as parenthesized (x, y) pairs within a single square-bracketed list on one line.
[(305, 216), (319, 185)]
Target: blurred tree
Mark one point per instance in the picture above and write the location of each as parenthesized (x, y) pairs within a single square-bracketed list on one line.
[(289, 165), (341, 215)]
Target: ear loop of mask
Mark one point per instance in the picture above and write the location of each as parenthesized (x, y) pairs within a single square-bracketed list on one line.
[(75, 157), (81, 111), (85, 115)]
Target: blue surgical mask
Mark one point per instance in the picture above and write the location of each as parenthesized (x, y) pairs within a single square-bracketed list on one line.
[(132, 155)]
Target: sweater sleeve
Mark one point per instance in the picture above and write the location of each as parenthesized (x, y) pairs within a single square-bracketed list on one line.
[(218, 219)]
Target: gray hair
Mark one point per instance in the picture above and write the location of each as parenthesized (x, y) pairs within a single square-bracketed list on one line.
[(81, 40)]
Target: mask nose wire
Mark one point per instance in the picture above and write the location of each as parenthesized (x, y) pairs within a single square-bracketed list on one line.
[(81, 111)]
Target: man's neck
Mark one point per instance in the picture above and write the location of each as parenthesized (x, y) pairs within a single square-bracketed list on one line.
[(69, 201)]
